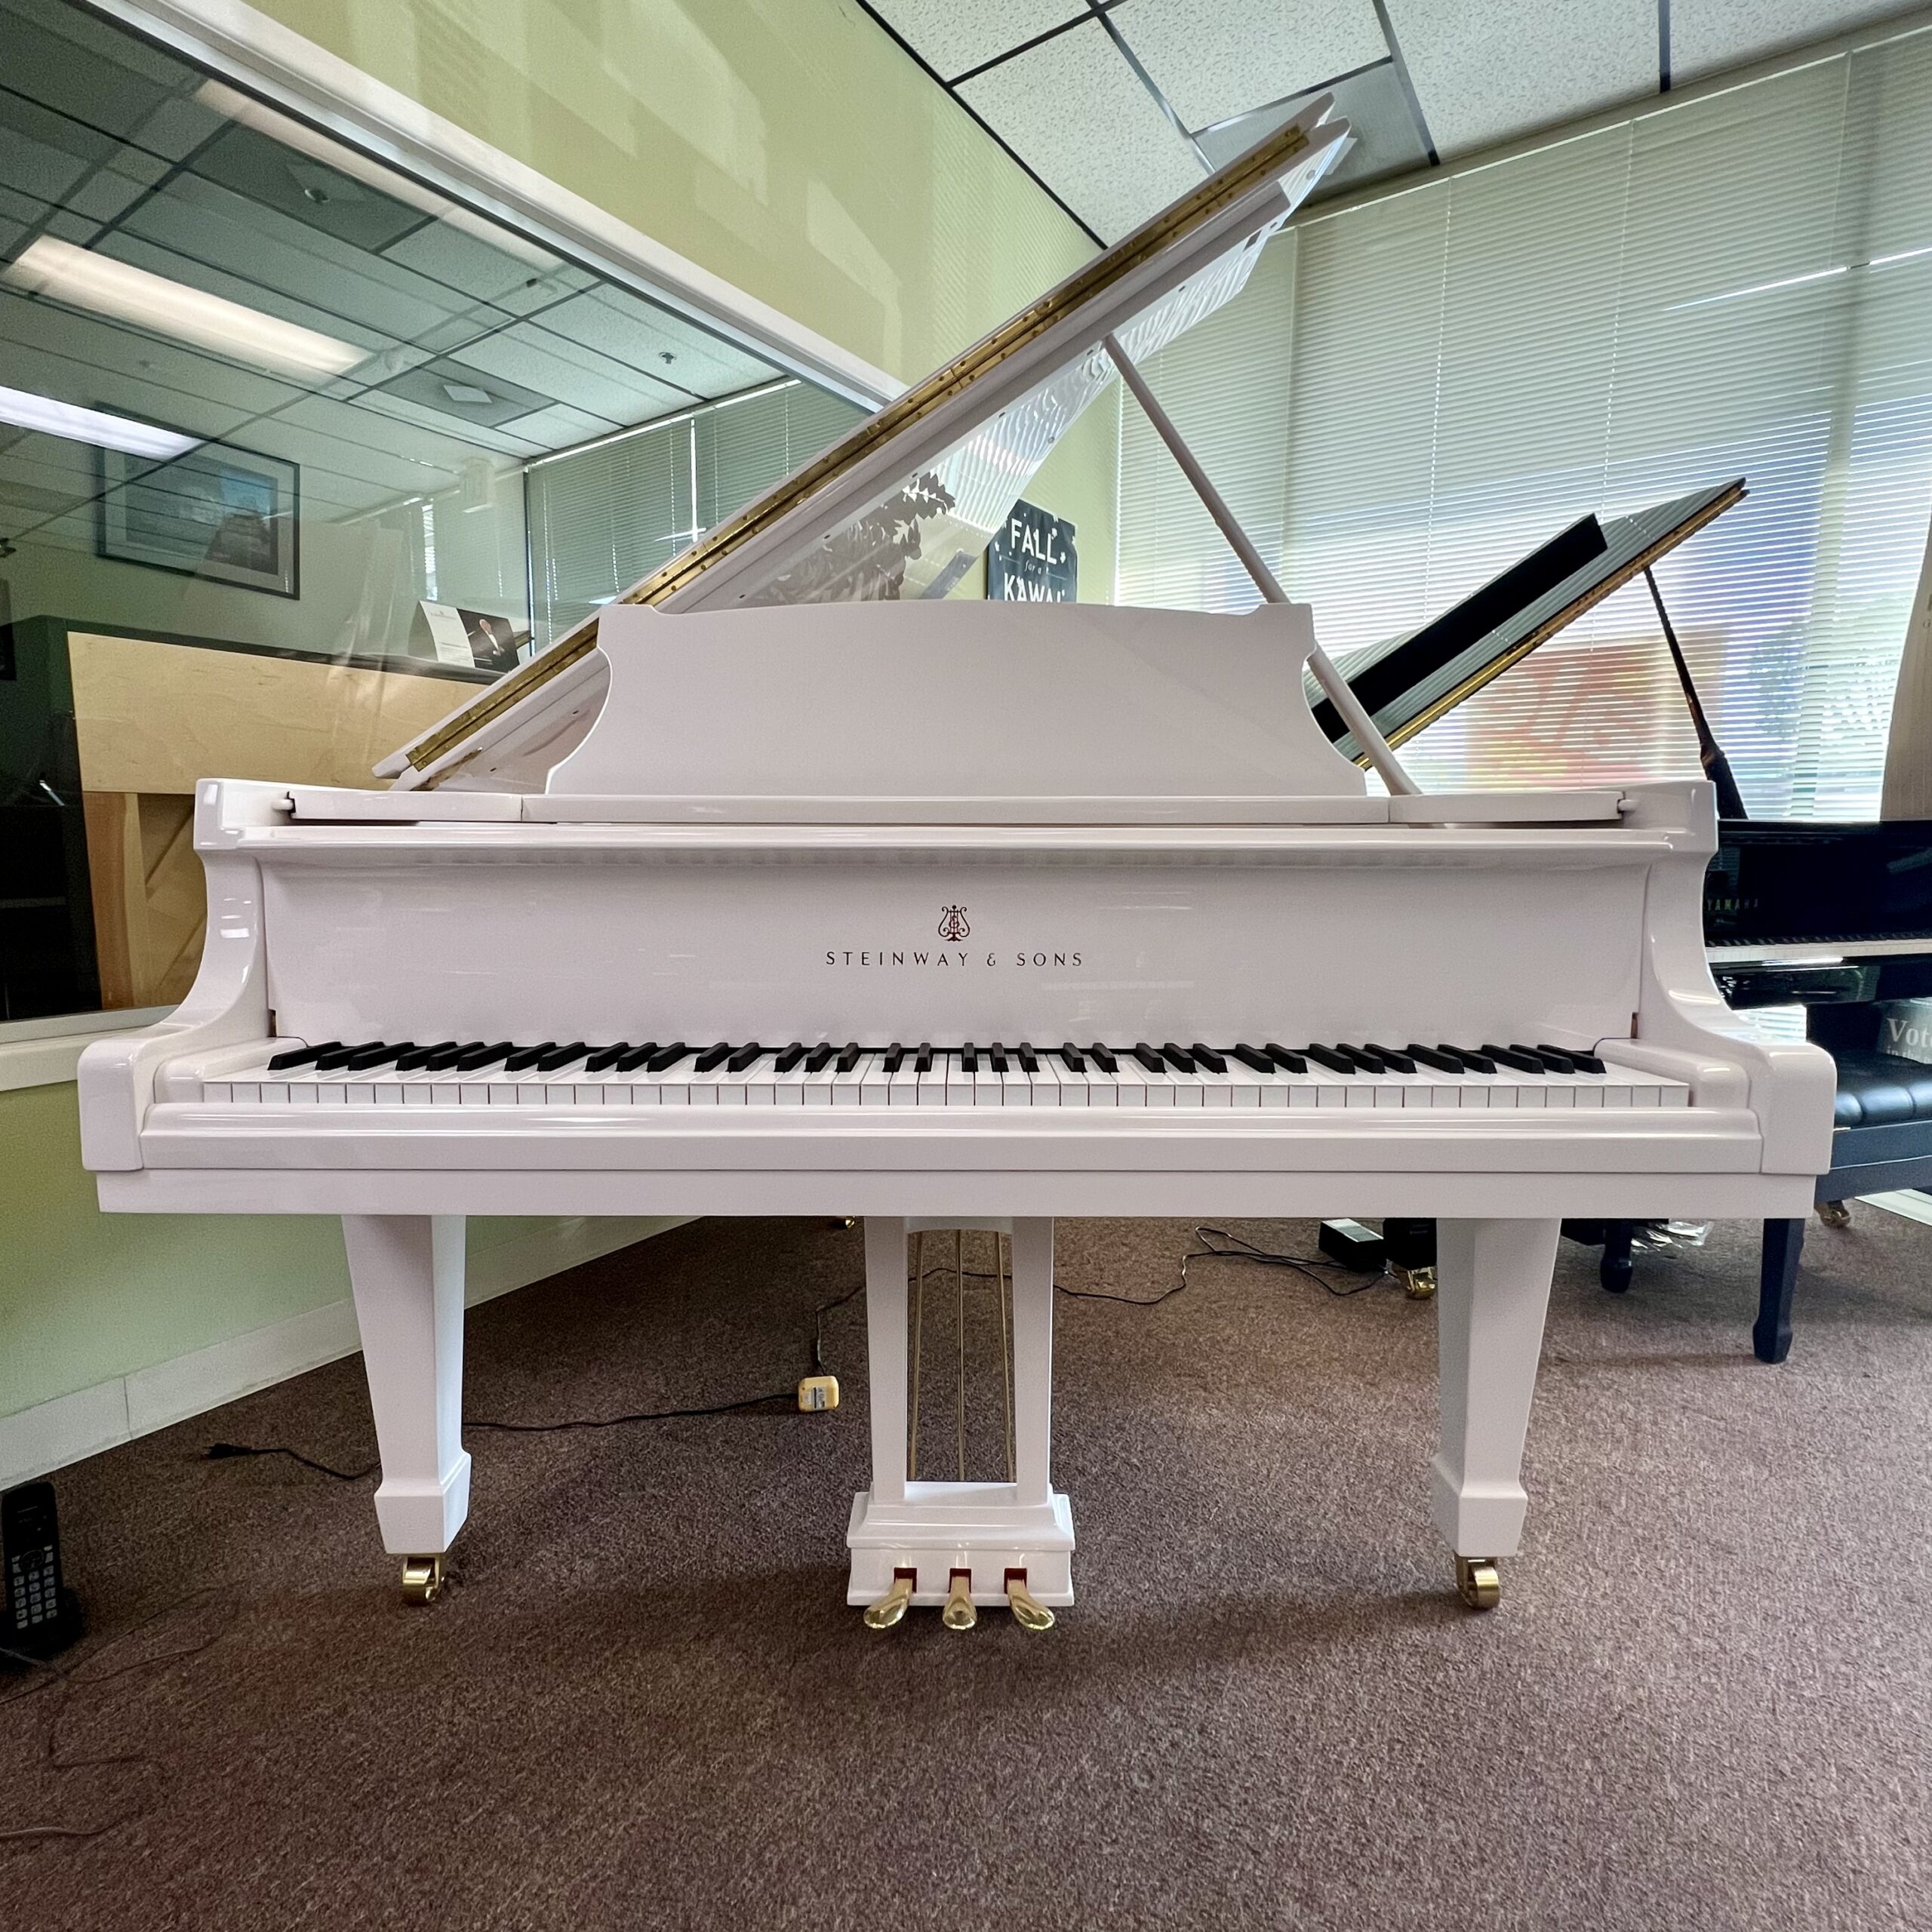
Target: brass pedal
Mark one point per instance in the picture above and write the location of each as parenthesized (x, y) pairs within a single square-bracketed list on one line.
[(422, 1578), (891, 1609), (960, 1613), (1028, 1612), (1418, 1284)]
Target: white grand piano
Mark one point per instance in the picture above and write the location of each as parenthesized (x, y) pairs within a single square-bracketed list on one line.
[(787, 888)]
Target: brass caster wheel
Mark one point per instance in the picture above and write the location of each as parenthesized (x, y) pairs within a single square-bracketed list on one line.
[(1477, 1583), (1028, 1612), (422, 1578), (1835, 1213), (959, 1613), (890, 1610), (1418, 1284)]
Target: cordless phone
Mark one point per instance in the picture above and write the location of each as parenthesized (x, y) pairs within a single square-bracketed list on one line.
[(41, 1616)]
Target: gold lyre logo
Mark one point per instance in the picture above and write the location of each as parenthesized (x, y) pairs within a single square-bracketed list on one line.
[(953, 922)]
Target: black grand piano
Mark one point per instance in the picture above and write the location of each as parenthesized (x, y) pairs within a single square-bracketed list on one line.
[(1835, 918)]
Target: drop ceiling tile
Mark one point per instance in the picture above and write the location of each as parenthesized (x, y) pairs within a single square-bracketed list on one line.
[(561, 372), (472, 397), (1707, 35), (645, 338), (1485, 73), (1385, 139), (1215, 58), (954, 36), (1077, 114)]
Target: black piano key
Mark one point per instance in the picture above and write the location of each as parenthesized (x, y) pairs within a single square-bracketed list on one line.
[(561, 1056), (630, 1062), (1585, 1063), (411, 1058), (790, 1057), (895, 1057), (1214, 1060), (365, 1057), (1029, 1061), (923, 1062), (1365, 1062), (1440, 1058), (745, 1057), (440, 1059), (473, 1059), (1558, 1059), (1073, 1057), (526, 1057), (666, 1057), (1513, 1057), (1254, 1057), (819, 1059), (300, 1055), (1328, 1057), (969, 1058), (1473, 1062), (1393, 1057), (850, 1056), (1102, 1056), (1179, 1058), (714, 1057), (996, 1057), (339, 1056), (605, 1058), (1148, 1057), (1288, 1062)]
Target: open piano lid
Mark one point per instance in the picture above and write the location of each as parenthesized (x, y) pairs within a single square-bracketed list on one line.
[(1410, 681), (902, 506)]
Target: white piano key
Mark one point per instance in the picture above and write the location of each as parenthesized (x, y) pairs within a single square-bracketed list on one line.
[(848, 1088), (1015, 1085)]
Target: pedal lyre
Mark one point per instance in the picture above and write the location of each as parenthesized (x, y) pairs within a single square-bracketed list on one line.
[(959, 1613), (1028, 1612), (891, 1609)]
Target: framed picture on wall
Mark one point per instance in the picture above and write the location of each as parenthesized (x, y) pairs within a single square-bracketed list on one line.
[(216, 511)]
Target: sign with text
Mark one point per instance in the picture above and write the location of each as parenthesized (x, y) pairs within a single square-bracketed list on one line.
[(1031, 559)]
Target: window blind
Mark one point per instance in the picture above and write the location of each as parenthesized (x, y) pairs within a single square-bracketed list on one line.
[(1415, 390), (602, 517)]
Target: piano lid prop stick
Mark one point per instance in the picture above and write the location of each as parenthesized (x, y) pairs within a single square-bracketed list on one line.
[(1347, 704)]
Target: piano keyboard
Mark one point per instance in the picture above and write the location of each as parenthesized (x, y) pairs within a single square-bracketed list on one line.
[(378, 1073)]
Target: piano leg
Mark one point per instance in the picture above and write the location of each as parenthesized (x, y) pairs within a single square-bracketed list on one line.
[(1492, 1292), (967, 1543), (406, 1271)]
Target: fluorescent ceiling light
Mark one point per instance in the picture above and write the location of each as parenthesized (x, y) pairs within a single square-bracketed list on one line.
[(48, 266), (26, 411)]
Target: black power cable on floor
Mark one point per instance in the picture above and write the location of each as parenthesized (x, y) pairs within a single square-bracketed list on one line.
[(225, 1451), (1234, 1248), (85, 1673)]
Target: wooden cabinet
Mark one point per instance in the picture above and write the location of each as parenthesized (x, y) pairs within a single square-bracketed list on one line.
[(117, 729)]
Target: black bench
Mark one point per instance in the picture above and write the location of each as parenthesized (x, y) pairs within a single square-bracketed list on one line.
[(1881, 1139)]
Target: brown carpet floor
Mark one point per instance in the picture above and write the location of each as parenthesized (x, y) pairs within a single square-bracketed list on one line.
[(1707, 1701)]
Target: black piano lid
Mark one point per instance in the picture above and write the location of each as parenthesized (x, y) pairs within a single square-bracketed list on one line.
[(1816, 881), (1410, 681)]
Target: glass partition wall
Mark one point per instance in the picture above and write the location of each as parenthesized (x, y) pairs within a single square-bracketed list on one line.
[(292, 448)]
